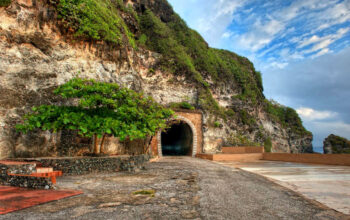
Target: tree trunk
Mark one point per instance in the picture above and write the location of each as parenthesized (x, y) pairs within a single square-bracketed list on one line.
[(149, 145), (96, 147), (102, 143)]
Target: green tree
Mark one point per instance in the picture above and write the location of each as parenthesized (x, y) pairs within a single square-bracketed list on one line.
[(101, 109)]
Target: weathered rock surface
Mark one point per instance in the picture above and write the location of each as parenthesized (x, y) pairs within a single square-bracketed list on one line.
[(35, 57), (336, 145)]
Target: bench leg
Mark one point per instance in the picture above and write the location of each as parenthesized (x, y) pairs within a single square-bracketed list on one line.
[(53, 179)]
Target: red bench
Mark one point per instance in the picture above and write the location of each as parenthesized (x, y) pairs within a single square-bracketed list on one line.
[(51, 175), (41, 172)]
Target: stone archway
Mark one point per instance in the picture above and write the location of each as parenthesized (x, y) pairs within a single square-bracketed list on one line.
[(194, 136)]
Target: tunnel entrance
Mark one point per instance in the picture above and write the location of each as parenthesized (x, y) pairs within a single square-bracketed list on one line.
[(177, 140)]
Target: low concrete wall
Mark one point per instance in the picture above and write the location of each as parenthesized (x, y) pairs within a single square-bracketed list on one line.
[(242, 150), (232, 157), (327, 159)]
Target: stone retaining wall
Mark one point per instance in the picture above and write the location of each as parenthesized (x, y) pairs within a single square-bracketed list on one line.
[(73, 166), (85, 165)]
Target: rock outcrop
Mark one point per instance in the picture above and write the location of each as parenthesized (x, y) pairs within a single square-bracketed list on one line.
[(38, 53), (334, 144)]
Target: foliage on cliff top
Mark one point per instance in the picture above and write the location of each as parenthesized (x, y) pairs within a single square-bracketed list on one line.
[(96, 19), (185, 51), (5, 3), (339, 144), (286, 116), (103, 109)]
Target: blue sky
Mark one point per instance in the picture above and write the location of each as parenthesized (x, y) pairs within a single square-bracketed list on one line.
[(302, 48)]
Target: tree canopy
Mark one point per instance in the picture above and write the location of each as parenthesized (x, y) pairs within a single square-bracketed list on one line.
[(100, 109)]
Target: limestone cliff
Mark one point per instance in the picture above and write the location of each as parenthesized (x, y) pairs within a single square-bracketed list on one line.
[(336, 145), (148, 48)]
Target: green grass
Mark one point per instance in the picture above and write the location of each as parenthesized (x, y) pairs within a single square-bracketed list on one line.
[(149, 192), (5, 3)]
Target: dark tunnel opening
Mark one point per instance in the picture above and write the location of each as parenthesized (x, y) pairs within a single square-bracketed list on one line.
[(177, 140)]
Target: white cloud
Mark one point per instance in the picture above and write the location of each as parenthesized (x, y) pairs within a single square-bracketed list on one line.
[(308, 41), (277, 65), (218, 16), (227, 34), (311, 114), (337, 14), (322, 52), (320, 44), (261, 34)]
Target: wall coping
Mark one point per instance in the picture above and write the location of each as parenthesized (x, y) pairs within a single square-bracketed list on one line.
[(69, 158)]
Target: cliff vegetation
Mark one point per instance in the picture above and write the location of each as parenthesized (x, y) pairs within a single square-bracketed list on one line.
[(334, 144), (184, 52), (144, 44)]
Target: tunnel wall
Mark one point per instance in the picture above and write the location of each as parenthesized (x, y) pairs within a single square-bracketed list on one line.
[(194, 120)]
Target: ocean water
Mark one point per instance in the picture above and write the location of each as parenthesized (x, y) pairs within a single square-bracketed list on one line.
[(318, 149)]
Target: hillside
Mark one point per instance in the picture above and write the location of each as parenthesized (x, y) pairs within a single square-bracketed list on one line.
[(146, 46), (334, 144)]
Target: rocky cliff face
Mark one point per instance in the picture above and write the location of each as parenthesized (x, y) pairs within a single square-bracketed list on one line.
[(38, 52), (336, 145)]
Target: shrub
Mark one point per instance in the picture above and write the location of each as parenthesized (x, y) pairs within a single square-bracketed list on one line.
[(241, 140), (268, 145), (103, 109), (183, 105), (5, 3), (246, 118), (142, 39), (217, 124)]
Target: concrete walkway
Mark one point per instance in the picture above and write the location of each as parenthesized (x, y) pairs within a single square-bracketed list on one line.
[(329, 185), (185, 188)]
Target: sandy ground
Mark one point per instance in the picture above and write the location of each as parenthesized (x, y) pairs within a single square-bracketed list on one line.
[(185, 188), (329, 185)]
